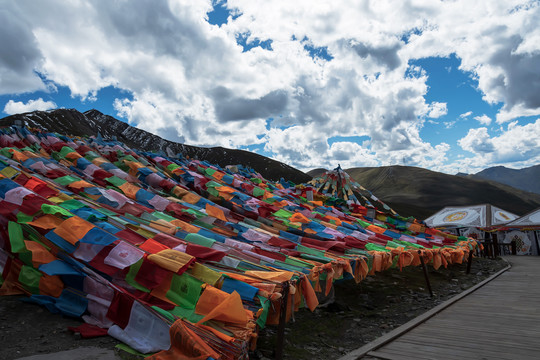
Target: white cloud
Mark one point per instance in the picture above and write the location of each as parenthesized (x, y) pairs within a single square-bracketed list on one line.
[(190, 81), (437, 109), (484, 119), (15, 107), (465, 115), (518, 145)]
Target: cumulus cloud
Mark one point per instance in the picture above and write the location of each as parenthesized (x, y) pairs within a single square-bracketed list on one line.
[(20, 54), (483, 119), (437, 109), (15, 107), (193, 82), (518, 144)]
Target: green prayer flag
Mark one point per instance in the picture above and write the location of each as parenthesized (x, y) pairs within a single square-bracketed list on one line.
[(309, 250), (130, 277), (116, 181), (257, 191), (163, 216), (282, 214), (72, 204), (132, 351), (200, 240), (65, 150), (185, 290), (188, 314), (164, 313), (209, 171), (22, 218), (16, 237), (53, 209), (171, 167), (29, 278), (66, 180), (376, 247), (213, 184), (265, 304), (213, 192)]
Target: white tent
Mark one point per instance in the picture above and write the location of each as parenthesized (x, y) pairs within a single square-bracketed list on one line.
[(524, 231), (474, 216)]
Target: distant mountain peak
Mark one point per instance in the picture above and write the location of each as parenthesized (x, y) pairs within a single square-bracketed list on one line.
[(525, 179)]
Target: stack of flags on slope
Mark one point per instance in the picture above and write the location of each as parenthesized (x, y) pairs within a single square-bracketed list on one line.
[(173, 256)]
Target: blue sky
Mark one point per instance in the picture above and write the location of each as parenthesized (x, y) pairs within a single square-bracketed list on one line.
[(445, 86)]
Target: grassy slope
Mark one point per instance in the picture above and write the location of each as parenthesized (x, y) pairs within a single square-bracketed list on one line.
[(420, 192)]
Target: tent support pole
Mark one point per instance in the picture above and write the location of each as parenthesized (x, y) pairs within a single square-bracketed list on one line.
[(535, 232), (469, 263), (280, 341), (425, 272)]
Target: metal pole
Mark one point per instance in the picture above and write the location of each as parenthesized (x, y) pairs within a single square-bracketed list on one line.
[(425, 272), (282, 320)]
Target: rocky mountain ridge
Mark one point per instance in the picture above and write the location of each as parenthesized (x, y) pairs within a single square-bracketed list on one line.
[(93, 122)]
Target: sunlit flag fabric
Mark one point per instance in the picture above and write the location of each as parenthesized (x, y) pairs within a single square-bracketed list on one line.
[(175, 256)]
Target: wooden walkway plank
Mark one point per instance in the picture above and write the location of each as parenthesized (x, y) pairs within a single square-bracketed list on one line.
[(498, 320)]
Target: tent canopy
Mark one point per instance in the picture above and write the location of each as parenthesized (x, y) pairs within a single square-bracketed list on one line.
[(530, 219), (484, 215)]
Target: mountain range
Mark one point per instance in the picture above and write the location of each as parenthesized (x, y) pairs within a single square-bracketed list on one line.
[(408, 190), (525, 179), (420, 192), (93, 122)]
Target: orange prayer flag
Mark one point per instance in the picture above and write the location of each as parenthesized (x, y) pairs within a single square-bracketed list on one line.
[(215, 212), (212, 298), (298, 217), (376, 229), (129, 190), (80, 184), (309, 294), (218, 175), (219, 334), (225, 189), (152, 246), (46, 222), (185, 345), (179, 191), (73, 229), (230, 310), (278, 276), (191, 198), (50, 285), (73, 155), (185, 226), (172, 260), (40, 255)]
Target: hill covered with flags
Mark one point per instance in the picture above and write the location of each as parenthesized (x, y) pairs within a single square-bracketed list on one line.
[(180, 257)]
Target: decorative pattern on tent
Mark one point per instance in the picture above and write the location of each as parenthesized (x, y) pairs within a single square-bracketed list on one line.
[(523, 243), (531, 219), (482, 216), (181, 257)]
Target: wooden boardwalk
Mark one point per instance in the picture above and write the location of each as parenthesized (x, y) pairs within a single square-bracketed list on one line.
[(500, 320)]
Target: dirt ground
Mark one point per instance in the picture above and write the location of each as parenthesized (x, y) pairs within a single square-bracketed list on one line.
[(361, 313)]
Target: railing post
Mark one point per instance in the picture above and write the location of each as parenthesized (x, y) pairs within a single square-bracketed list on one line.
[(425, 272), (469, 263), (280, 341)]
